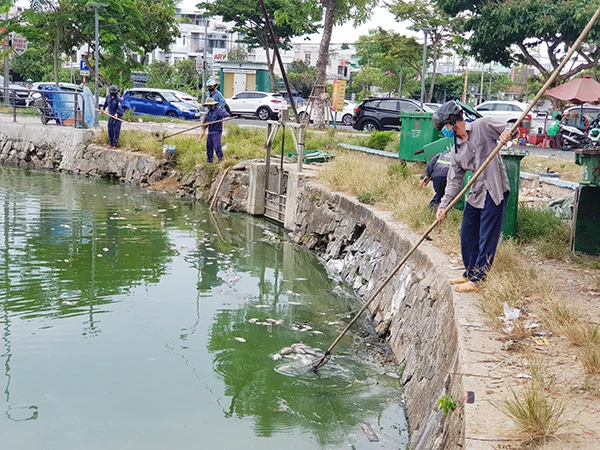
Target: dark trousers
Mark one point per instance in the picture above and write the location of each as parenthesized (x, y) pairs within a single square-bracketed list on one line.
[(114, 131), (479, 237), (213, 145), (439, 186)]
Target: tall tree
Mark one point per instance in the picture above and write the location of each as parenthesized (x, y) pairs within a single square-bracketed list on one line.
[(160, 29), (426, 16), (289, 18), (530, 32), (301, 77), (392, 54), (337, 12)]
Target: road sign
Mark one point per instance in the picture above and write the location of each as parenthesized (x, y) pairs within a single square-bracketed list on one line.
[(84, 73), (83, 65), (199, 65), (18, 43)]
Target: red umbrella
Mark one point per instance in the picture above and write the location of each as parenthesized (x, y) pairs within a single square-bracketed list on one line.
[(580, 90)]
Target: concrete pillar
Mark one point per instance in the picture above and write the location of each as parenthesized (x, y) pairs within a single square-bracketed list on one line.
[(294, 184), (256, 189)]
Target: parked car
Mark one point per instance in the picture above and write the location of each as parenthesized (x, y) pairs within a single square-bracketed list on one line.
[(264, 105), (434, 106), (344, 116), (187, 98), (16, 93), (502, 111), (159, 102), (378, 113), (297, 98)]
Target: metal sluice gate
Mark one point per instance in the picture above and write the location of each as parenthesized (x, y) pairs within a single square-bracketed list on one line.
[(276, 188)]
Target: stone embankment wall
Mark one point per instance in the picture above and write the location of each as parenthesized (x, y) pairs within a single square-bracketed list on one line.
[(414, 312), (69, 150)]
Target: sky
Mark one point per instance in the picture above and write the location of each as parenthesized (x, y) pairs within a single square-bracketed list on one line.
[(346, 33)]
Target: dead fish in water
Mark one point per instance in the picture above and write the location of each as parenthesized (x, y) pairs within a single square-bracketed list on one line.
[(299, 352), (274, 321), (253, 320), (294, 303), (240, 339), (261, 306)]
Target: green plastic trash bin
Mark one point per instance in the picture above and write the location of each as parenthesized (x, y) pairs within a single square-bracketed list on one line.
[(416, 132), (512, 163)]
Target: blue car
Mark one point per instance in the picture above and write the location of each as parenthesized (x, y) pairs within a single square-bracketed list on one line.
[(159, 102)]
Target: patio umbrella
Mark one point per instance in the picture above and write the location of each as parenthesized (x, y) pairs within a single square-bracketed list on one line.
[(580, 90)]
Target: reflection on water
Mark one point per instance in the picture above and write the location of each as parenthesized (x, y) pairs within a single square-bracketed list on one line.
[(142, 322)]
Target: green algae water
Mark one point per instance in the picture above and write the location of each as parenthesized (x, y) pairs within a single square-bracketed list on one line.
[(135, 321)]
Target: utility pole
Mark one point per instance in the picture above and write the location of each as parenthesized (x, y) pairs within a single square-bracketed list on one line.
[(481, 86), (6, 96), (400, 83), (424, 71), (96, 5), (204, 60)]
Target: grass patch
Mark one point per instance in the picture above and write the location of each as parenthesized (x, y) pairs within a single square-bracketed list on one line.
[(380, 139), (589, 353), (537, 415), (514, 282), (548, 234), (567, 170)]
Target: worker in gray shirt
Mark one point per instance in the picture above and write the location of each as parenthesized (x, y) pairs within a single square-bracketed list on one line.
[(486, 203)]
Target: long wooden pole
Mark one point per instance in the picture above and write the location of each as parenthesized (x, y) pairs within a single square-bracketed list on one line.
[(476, 175)]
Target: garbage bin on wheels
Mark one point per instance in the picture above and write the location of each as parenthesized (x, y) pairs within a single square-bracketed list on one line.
[(416, 131), (512, 163)]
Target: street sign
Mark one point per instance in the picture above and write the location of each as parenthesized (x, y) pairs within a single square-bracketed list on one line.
[(199, 65), (84, 70), (18, 43)]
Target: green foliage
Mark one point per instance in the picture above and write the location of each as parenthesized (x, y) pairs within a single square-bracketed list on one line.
[(451, 86), (546, 232), (366, 197), (379, 139), (239, 54), (301, 77), (504, 32), (446, 404)]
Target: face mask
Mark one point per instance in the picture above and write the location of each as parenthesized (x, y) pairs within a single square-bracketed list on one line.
[(449, 133)]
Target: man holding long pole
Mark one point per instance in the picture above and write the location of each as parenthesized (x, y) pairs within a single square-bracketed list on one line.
[(486, 203)]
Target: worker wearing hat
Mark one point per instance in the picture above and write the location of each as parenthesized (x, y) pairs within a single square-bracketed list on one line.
[(214, 119), (486, 202), (214, 93)]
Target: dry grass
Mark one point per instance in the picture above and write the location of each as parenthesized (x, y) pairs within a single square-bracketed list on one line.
[(392, 186), (563, 319), (589, 352), (538, 416), (567, 170), (514, 282)]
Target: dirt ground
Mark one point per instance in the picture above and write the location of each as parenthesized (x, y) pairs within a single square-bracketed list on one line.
[(507, 367)]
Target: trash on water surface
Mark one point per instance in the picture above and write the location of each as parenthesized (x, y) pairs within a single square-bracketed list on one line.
[(240, 339)]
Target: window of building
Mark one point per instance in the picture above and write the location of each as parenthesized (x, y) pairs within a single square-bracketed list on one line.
[(308, 58)]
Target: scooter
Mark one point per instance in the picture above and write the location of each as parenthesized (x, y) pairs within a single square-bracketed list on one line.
[(570, 138)]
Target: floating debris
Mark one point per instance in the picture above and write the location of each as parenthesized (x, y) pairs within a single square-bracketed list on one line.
[(295, 303), (69, 303), (253, 320), (105, 249), (261, 306), (240, 339)]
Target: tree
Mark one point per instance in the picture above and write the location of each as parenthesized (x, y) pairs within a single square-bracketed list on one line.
[(426, 15), (239, 54), (512, 32), (289, 18), (160, 29), (336, 12), (301, 77), (393, 54)]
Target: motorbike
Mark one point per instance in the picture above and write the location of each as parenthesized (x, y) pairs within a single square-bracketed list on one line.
[(569, 138)]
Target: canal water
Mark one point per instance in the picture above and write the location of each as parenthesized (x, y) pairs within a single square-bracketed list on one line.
[(131, 320)]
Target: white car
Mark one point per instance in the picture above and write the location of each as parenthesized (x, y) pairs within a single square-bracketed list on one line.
[(264, 105), (344, 116), (502, 111), (187, 98)]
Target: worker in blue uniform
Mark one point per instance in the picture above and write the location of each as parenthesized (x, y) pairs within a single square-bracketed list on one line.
[(114, 105), (437, 171), (214, 119)]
